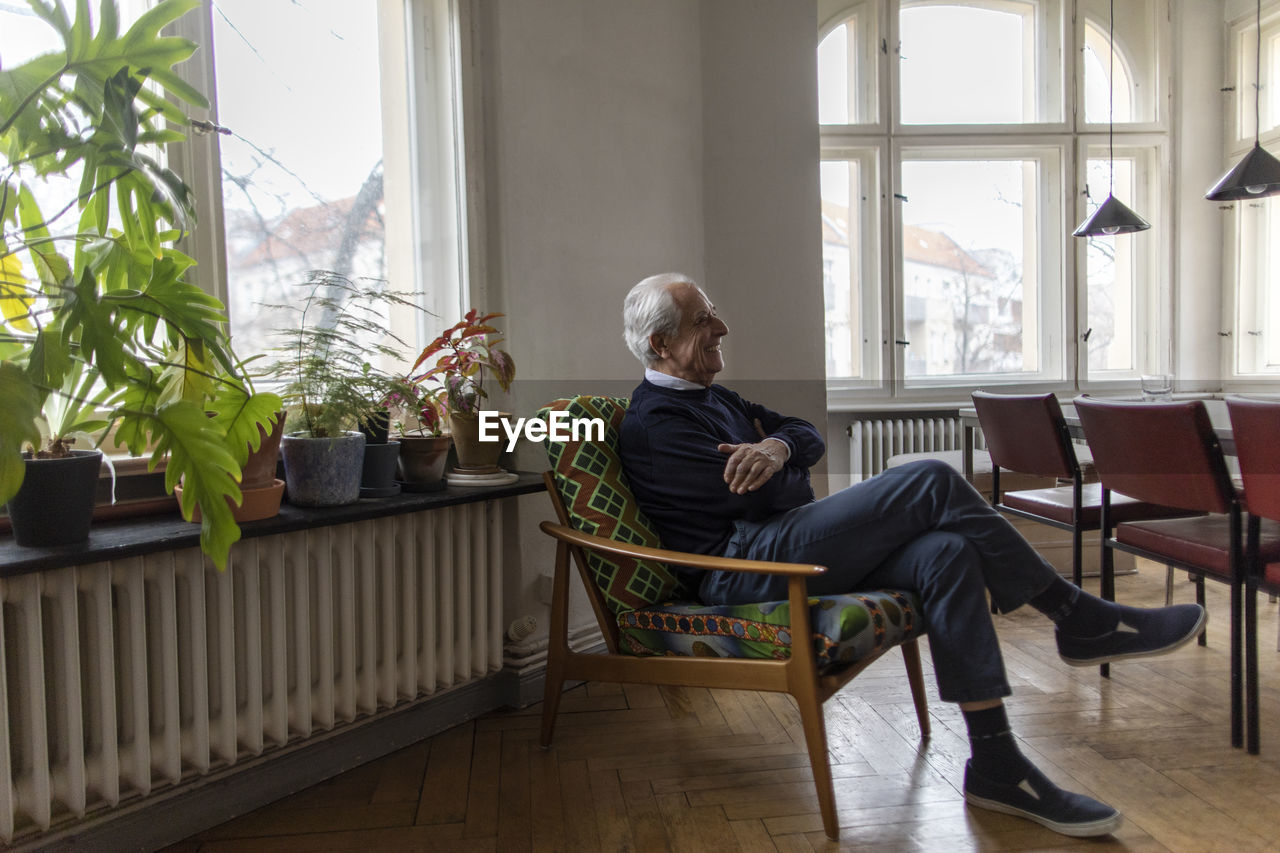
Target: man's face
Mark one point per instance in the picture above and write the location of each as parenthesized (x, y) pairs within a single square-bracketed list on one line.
[(693, 353)]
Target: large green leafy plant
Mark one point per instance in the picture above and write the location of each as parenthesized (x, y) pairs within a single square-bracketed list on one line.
[(93, 280)]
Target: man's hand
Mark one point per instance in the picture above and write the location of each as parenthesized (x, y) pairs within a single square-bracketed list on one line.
[(751, 465)]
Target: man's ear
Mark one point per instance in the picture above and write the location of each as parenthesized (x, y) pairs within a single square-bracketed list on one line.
[(657, 343)]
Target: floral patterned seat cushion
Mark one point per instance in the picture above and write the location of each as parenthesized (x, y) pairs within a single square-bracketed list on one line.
[(846, 628), (655, 615)]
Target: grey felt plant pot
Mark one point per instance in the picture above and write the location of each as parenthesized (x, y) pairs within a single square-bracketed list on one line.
[(322, 471)]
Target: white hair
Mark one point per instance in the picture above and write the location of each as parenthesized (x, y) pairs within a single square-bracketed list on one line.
[(650, 309)]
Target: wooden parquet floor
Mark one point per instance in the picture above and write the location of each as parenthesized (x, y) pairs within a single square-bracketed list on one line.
[(647, 769)]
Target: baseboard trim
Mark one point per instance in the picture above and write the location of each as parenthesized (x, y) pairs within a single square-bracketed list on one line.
[(168, 817)]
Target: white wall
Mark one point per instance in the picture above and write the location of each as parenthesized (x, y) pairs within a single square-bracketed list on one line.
[(1198, 111), (622, 139)]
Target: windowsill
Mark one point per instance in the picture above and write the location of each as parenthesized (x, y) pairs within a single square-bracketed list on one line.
[(168, 532)]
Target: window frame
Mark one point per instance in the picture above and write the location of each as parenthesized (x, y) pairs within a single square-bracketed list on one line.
[(434, 55), (1243, 264), (1071, 135)]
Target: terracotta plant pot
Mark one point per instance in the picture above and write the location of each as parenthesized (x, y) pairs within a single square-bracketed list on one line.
[(54, 506), (255, 504), (475, 455), (259, 472), (322, 471), (423, 459)]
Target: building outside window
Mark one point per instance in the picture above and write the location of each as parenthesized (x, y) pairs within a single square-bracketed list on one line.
[(959, 140), (340, 151)]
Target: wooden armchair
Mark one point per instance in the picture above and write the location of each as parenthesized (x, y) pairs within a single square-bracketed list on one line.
[(657, 633)]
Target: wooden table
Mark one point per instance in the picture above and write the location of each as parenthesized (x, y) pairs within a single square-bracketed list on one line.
[(1217, 410)]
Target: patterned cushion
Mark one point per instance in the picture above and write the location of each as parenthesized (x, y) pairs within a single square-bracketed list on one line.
[(846, 628), (589, 478)]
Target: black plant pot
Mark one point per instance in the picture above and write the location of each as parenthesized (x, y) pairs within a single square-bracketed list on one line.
[(376, 427), (378, 477), (55, 504)]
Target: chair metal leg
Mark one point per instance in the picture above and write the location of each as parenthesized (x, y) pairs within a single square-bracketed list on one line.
[(1168, 585), (1251, 667), (1077, 559), (1237, 668), (1204, 633)]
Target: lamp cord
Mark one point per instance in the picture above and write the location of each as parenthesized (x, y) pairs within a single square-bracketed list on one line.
[(1257, 81), (1111, 100)]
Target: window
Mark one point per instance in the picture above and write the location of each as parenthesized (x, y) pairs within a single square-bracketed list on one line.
[(966, 132), (340, 154), (1254, 225)]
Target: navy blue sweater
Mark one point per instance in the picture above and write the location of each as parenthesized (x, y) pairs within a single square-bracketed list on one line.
[(668, 448)]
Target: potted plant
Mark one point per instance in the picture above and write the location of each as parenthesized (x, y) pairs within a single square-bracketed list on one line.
[(79, 289), (424, 448), (54, 505), (332, 388), (465, 355), (253, 440)]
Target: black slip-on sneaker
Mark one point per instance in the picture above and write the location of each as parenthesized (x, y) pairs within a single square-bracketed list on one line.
[(1140, 633), (1038, 799)]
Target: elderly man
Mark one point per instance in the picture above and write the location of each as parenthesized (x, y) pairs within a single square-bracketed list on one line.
[(719, 475)]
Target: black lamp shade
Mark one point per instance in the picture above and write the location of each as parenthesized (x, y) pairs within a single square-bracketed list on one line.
[(1255, 176), (1111, 217)]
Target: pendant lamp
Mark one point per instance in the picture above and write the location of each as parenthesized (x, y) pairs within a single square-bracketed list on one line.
[(1258, 174), (1112, 216)]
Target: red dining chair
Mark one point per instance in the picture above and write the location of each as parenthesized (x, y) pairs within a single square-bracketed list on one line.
[(1255, 427), (1167, 453), (1026, 433)]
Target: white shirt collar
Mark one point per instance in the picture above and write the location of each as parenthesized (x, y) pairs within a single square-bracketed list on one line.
[(666, 380)]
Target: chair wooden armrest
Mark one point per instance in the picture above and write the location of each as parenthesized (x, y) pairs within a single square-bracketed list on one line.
[(679, 558)]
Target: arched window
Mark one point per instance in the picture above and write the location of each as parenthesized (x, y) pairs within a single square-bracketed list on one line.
[(955, 152)]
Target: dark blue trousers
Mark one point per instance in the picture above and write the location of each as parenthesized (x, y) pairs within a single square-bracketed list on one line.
[(918, 527)]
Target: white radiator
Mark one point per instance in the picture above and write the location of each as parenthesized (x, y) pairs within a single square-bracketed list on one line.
[(873, 440), (127, 677)]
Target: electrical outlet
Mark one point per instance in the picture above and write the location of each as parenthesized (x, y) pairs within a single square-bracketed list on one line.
[(544, 585)]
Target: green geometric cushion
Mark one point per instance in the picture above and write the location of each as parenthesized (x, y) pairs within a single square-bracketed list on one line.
[(589, 478), (846, 628)]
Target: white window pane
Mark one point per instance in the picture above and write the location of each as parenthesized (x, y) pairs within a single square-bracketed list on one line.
[(841, 280), (1258, 288), (968, 247), (1111, 278), (302, 174), (994, 62), (848, 68), (1136, 89)]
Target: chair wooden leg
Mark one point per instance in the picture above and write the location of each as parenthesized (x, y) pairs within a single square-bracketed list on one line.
[(557, 644), (915, 678), (551, 695), (815, 738)]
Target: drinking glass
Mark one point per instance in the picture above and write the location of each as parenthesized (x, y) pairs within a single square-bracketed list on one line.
[(1157, 387)]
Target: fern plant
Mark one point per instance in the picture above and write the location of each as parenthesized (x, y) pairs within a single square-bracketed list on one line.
[(326, 359), (108, 291)]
